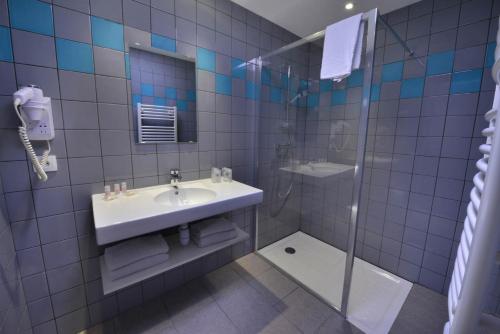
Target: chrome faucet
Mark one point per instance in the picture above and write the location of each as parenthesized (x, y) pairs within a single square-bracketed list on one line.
[(175, 177)]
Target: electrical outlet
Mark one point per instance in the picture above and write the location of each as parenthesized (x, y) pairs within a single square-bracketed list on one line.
[(51, 165)]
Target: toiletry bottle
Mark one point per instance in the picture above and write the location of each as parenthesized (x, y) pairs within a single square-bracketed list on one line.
[(184, 234)]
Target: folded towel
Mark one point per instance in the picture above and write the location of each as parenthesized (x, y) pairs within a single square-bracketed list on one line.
[(131, 251), (342, 48), (214, 238), (211, 226), (138, 266)]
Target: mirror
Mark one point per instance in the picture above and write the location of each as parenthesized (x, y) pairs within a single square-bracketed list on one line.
[(163, 96)]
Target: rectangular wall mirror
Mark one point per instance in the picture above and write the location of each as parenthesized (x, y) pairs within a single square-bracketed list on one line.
[(163, 96)]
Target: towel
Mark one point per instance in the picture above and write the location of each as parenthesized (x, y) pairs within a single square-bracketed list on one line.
[(214, 238), (211, 226), (134, 250), (342, 48), (138, 266)]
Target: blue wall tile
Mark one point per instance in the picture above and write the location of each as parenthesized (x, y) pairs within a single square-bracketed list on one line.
[(284, 80), (191, 95), (223, 84), (355, 79), (164, 43), (181, 105), (440, 63), (304, 84), (313, 100), (466, 82), (266, 76), (375, 93), (339, 96), (136, 99), (5, 44), (205, 59), (160, 101), (412, 88), (147, 89), (490, 55), (31, 15), (107, 34), (325, 85), (238, 68), (392, 72), (251, 90), (275, 95), (74, 56), (171, 93)]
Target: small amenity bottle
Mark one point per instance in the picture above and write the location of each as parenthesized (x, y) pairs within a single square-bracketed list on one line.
[(184, 234)]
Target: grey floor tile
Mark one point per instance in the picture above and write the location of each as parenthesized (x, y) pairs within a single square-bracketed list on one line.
[(424, 311), (208, 318), (280, 325), (305, 311), (188, 298), (250, 264), (336, 324), (273, 285), (247, 309)]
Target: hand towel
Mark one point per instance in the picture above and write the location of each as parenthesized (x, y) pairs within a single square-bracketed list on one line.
[(133, 250), (211, 226), (214, 238), (342, 48), (138, 266)]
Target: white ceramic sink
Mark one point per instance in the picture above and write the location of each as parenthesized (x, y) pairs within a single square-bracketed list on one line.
[(185, 196), (159, 207)]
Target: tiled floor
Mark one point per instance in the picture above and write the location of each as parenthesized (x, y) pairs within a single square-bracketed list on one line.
[(250, 296)]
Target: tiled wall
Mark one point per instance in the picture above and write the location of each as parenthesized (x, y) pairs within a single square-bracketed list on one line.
[(165, 81), (14, 316), (424, 131), (76, 51)]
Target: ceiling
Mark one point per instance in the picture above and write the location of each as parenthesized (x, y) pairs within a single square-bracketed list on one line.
[(304, 17)]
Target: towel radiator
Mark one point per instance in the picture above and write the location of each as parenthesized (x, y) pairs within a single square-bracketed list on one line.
[(476, 253), (156, 124)]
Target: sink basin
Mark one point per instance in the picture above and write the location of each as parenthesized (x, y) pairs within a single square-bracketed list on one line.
[(156, 208), (185, 196)]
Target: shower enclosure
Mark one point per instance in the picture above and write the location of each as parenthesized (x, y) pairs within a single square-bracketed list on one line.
[(310, 156)]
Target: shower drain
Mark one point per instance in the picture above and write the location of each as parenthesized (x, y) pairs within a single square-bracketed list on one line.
[(290, 250)]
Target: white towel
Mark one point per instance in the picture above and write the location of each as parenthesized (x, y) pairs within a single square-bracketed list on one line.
[(214, 238), (138, 266), (342, 48), (134, 250), (211, 226)]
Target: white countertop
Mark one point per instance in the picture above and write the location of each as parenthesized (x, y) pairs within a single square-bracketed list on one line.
[(129, 216)]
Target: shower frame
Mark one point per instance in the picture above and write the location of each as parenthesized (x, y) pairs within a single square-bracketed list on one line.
[(370, 17)]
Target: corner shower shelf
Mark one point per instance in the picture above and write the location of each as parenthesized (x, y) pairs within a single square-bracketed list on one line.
[(179, 255), (319, 169)]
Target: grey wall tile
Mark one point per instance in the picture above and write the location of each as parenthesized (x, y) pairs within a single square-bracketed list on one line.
[(136, 15), (71, 25), (77, 86), (109, 62), (110, 9), (23, 43), (60, 253)]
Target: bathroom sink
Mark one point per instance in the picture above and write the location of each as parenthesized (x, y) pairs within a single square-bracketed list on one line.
[(185, 196), (156, 208)]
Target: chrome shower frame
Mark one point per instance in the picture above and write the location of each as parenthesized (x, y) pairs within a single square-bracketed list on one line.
[(371, 17)]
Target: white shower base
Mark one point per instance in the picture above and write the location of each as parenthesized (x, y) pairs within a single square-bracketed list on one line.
[(376, 295)]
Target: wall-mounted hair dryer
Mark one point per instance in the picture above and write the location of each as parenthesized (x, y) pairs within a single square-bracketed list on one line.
[(35, 113)]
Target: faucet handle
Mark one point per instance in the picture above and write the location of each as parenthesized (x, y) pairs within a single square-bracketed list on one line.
[(174, 172)]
